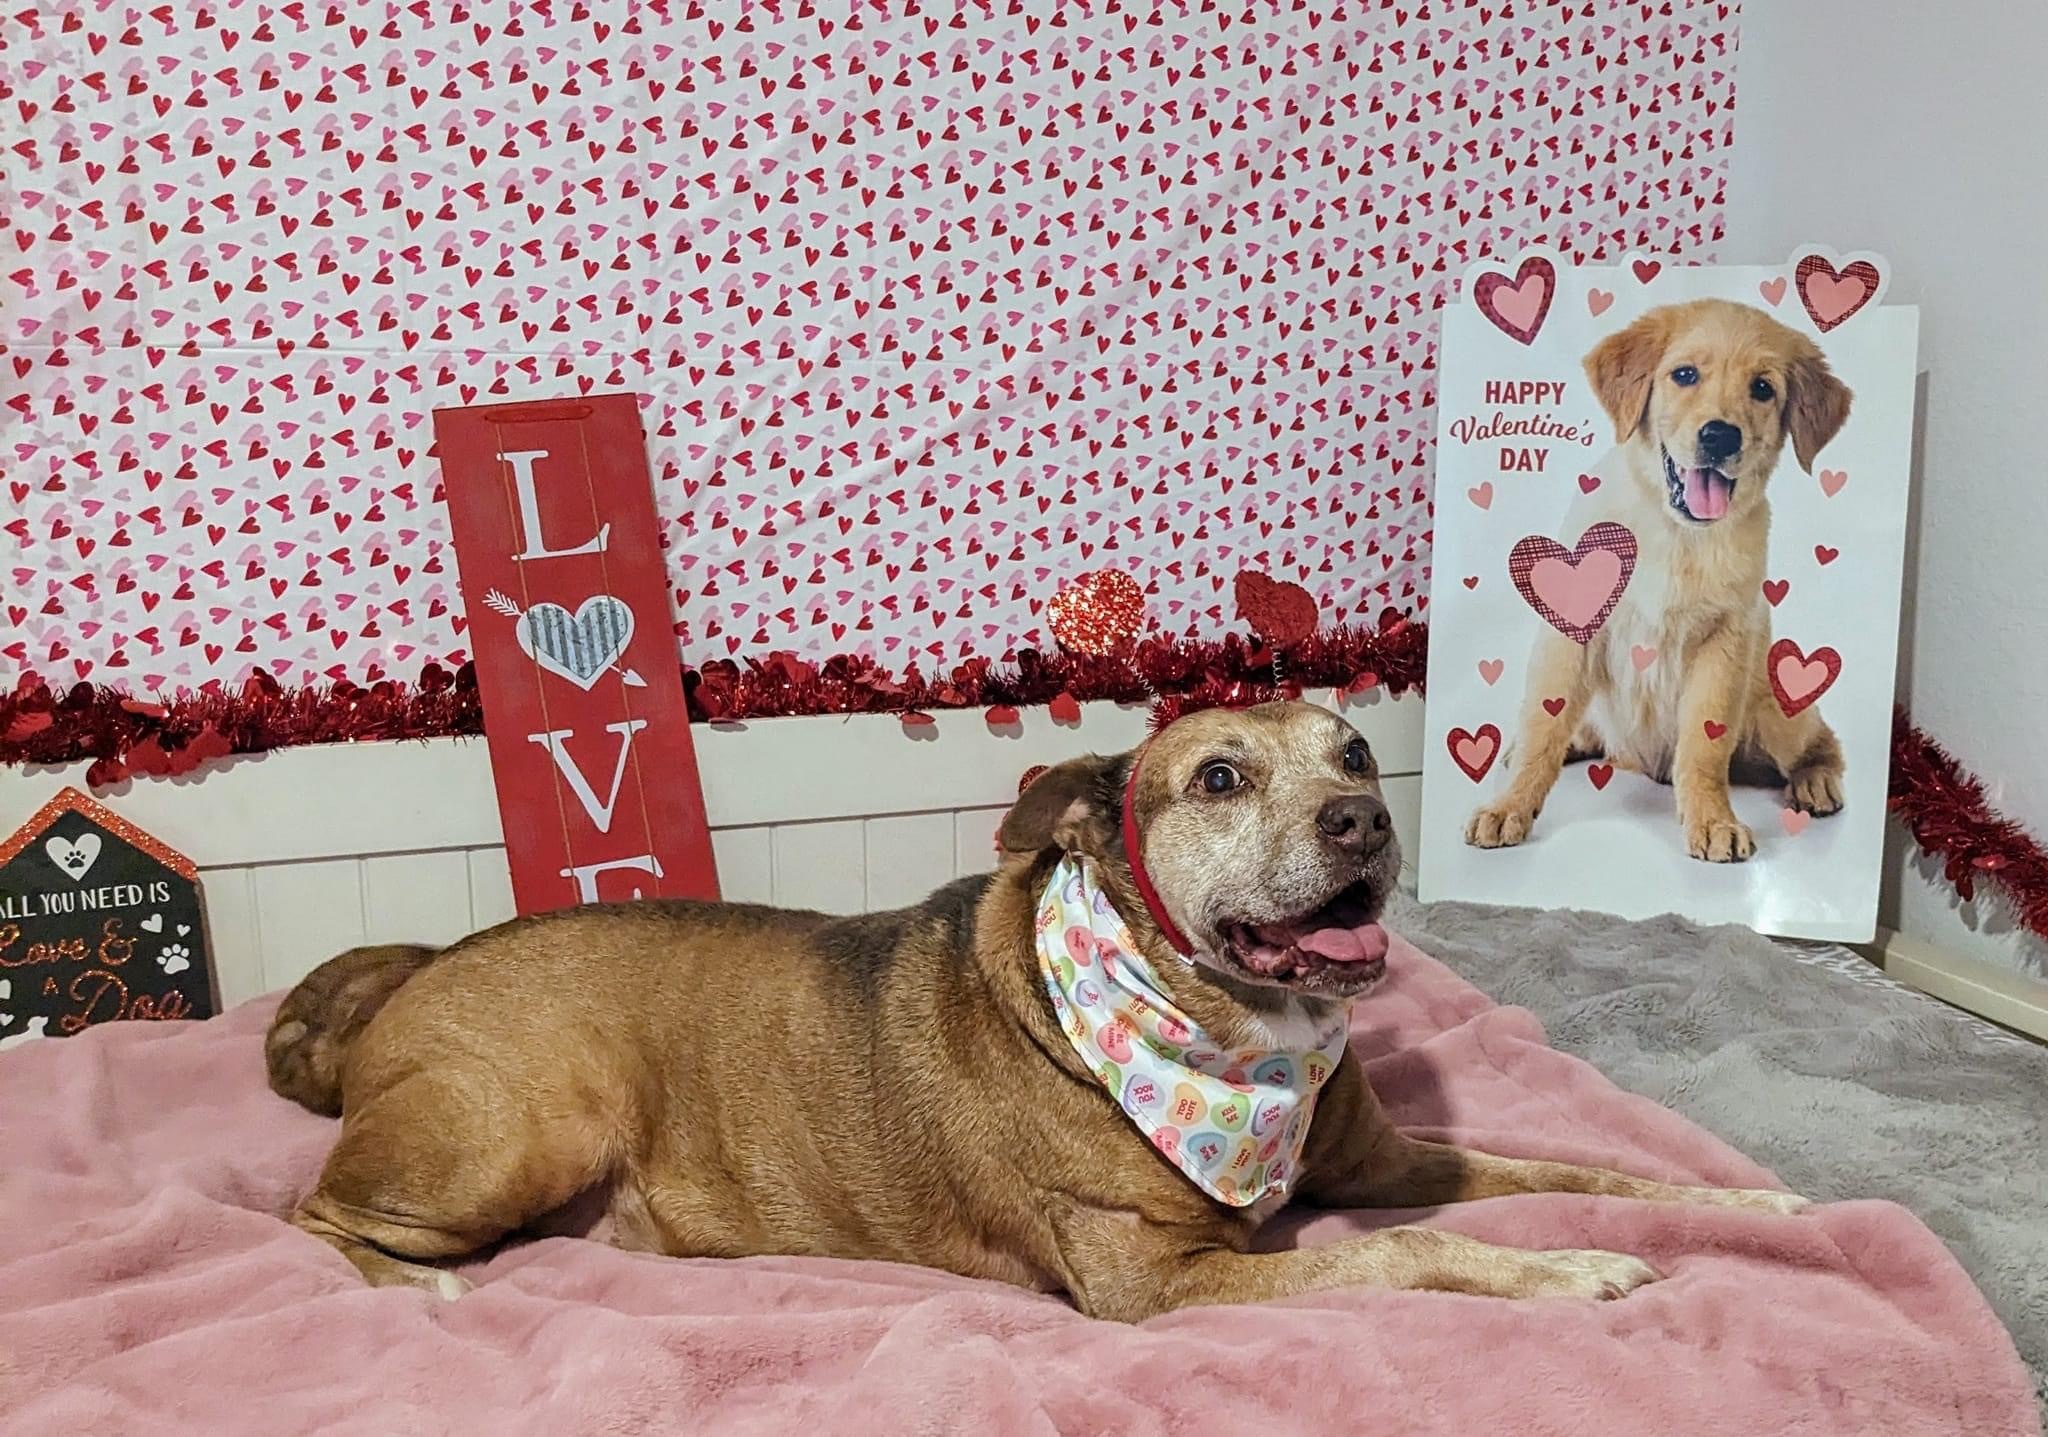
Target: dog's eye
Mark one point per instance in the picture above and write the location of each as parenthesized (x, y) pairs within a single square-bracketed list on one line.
[(1357, 758), (1760, 389), (1218, 778), (1685, 376)]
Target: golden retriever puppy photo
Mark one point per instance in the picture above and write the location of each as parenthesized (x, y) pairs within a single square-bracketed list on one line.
[(1705, 398)]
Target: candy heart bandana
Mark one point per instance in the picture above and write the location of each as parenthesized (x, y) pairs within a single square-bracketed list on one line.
[(1232, 1120)]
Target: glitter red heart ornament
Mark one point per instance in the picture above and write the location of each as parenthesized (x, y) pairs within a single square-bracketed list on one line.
[(1280, 613), (1096, 613)]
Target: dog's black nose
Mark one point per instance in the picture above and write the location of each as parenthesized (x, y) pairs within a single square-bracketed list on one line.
[(1357, 823), (1719, 440)]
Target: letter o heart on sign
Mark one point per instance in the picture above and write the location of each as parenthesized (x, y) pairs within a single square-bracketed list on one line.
[(1798, 679), (1574, 590), (1517, 306), (579, 646), (1474, 752)]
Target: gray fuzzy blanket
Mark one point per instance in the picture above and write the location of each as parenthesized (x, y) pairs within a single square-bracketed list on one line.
[(1809, 1060)]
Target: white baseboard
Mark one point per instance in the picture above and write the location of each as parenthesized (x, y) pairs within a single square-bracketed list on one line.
[(303, 852), (2010, 999)]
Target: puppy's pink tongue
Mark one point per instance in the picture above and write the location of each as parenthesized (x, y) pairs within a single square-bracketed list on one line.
[(1707, 492), (1363, 944)]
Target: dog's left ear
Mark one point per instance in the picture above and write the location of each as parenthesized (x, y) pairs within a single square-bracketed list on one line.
[(1621, 367), (1816, 406), (1077, 805)]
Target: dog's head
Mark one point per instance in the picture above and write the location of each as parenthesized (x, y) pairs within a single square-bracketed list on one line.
[(1263, 833), (1715, 388)]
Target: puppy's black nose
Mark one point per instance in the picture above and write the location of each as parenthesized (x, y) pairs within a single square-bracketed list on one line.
[(1356, 823), (1719, 440)]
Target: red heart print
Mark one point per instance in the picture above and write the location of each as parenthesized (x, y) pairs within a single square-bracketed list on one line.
[(1588, 483), (1600, 773), (1833, 296), (1517, 306), (1575, 590), (1799, 679), (1553, 707), (1645, 269), (1775, 590), (1822, 554), (1474, 752), (1714, 730)]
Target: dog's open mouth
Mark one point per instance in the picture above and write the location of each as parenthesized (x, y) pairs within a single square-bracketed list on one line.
[(1339, 945), (1702, 495)]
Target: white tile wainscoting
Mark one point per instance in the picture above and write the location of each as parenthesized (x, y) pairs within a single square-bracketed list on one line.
[(305, 852)]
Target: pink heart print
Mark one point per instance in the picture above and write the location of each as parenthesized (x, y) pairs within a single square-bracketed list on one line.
[(927, 318)]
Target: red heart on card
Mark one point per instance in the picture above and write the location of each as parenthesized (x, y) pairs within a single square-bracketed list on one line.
[(1474, 752), (1600, 773), (1830, 295), (1799, 679), (1517, 306), (1574, 590)]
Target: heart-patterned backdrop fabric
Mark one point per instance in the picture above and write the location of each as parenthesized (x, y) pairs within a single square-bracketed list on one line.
[(936, 302)]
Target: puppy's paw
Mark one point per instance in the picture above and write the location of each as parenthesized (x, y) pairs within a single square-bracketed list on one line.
[(1755, 1199), (1587, 1273), (1500, 825), (1719, 838), (1817, 791)]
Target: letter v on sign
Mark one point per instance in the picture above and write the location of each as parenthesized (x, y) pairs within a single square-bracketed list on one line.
[(568, 606)]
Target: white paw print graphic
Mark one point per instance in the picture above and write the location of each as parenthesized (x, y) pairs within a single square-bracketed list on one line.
[(175, 958)]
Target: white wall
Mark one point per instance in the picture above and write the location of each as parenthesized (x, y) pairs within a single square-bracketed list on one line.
[(1920, 130)]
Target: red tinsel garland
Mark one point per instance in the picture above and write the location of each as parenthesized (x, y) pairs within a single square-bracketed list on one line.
[(123, 735), (1939, 803), (1943, 806)]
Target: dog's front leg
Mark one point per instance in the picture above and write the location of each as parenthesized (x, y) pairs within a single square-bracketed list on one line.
[(1553, 702), (1712, 717), (1356, 1157), (1129, 1276)]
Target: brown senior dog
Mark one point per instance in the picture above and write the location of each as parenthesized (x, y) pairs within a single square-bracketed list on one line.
[(1703, 397), (896, 1086)]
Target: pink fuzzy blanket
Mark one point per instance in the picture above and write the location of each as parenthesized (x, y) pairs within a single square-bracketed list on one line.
[(148, 1285)]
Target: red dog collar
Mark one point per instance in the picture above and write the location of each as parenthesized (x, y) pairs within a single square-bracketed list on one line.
[(1139, 876)]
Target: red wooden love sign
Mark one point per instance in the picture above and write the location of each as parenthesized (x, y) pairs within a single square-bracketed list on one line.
[(568, 605)]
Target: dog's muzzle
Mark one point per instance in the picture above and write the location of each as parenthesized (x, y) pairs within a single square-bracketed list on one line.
[(1702, 494)]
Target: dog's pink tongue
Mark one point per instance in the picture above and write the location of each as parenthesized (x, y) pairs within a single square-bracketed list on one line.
[(1706, 493), (1363, 944)]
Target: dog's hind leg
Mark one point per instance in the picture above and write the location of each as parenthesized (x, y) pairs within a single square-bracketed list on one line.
[(1805, 751), (440, 1164)]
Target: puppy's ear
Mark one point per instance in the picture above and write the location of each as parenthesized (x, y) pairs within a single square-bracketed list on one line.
[(1816, 406), (1621, 367), (1076, 805)]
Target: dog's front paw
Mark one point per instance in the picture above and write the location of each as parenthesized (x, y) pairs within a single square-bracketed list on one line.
[(1500, 825), (1817, 791), (1587, 1273), (1719, 838)]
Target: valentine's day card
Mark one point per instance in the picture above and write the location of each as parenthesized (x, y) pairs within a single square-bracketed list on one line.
[(1670, 521)]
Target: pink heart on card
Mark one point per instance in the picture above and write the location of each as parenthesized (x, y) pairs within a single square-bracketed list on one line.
[(1575, 590)]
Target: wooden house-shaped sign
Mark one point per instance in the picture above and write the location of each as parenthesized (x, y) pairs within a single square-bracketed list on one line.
[(98, 922)]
